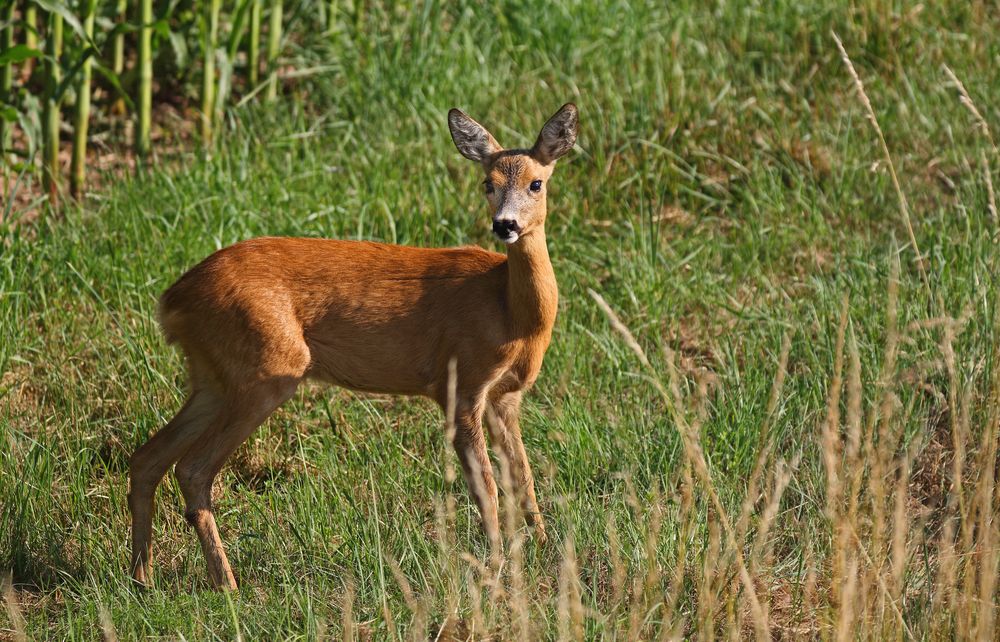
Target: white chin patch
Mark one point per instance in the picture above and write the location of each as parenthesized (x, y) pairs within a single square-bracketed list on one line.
[(510, 238)]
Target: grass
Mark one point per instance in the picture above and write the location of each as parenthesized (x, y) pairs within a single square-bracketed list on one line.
[(728, 195)]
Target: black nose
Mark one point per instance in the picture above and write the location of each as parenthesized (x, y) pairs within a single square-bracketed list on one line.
[(505, 227)]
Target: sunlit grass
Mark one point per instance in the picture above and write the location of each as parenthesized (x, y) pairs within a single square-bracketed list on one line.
[(727, 197)]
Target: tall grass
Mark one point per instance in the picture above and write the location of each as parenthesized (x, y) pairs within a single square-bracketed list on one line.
[(778, 419)]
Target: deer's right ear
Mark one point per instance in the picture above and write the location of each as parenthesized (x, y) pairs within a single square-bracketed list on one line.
[(471, 138)]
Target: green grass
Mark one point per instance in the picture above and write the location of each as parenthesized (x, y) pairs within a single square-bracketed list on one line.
[(727, 191)]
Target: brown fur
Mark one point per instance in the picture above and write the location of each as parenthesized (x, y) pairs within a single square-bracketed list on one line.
[(256, 318)]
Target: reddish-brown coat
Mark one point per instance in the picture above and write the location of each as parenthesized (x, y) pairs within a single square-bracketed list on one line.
[(257, 318)]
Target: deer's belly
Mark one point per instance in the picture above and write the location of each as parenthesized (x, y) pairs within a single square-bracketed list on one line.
[(371, 364)]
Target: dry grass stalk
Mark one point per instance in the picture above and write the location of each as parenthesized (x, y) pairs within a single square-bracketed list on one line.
[(645, 582), (831, 426), (904, 206), (13, 609), (475, 604), (618, 572), (854, 467), (570, 606), (418, 628), (687, 520), (991, 197), (349, 633), (518, 591), (707, 595), (944, 600), (848, 591), (966, 101), (900, 528), (764, 444), (108, 632), (782, 477)]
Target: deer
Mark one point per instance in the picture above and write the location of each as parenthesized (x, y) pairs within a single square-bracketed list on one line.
[(465, 327)]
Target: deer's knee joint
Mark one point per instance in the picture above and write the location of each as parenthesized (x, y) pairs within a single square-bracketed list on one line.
[(194, 516), (190, 478)]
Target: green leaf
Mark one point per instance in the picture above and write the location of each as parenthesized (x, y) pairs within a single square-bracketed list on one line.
[(19, 53), (8, 113), (69, 74), (54, 6), (179, 45), (239, 26), (114, 81)]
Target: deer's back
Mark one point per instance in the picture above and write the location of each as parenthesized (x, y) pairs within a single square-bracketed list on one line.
[(375, 317)]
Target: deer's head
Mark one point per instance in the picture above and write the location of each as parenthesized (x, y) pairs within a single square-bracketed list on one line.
[(516, 179)]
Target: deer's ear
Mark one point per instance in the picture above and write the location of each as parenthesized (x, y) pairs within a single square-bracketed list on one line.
[(471, 138), (557, 136)]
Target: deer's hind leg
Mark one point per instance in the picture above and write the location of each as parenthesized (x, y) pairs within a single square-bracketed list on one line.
[(151, 462), (255, 385), (198, 468)]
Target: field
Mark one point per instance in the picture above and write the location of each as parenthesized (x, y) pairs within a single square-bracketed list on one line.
[(771, 407)]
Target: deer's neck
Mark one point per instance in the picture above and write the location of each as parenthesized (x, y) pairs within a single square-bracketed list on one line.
[(532, 294)]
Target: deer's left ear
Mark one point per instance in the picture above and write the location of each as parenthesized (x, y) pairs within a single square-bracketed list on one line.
[(557, 136)]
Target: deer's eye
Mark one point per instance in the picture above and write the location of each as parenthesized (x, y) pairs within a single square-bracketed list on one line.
[(536, 186), (488, 186)]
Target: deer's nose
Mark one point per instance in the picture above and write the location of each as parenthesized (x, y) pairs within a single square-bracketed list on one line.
[(505, 227)]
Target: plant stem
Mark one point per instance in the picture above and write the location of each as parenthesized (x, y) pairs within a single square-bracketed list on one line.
[(145, 76), (253, 60), (273, 46), (331, 16), (118, 54), (50, 112), (30, 32), (6, 80), (78, 170), (208, 73)]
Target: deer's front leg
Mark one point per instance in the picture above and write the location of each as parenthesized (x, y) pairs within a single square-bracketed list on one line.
[(470, 444), (505, 434)]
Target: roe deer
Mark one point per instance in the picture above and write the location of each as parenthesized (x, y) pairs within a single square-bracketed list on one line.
[(256, 318)]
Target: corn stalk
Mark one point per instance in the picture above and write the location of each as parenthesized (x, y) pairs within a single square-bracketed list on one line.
[(118, 51), (6, 79), (253, 57), (208, 74), (331, 16), (145, 77), (273, 47), (30, 31), (77, 173), (50, 112)]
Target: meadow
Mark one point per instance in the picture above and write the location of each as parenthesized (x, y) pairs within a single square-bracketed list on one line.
[(771, 407)]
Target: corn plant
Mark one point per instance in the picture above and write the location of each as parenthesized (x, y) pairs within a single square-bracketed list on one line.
[(273, 47), (82, 120), (208, 73), (118, 53), (253, 56), (215, 31), (145, 64), (50, 114), (6, 80), (30, 29)]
